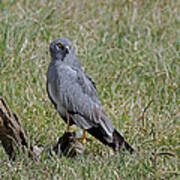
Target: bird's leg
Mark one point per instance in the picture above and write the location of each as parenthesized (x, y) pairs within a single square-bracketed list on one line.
[(83, 138), (84, 135), (68, 122)]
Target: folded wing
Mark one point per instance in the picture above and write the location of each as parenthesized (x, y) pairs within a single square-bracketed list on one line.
[(77, 94)]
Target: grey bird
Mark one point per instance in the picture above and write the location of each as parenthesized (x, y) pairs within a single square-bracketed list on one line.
[(74, 96)]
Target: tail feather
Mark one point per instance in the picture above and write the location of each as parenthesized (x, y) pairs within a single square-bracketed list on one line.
[(116, 144), (118, 141)]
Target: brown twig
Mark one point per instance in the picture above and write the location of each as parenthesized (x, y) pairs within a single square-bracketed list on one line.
[(165, 154), (144, 111)]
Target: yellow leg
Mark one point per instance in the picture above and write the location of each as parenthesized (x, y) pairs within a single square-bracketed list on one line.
[(84, 138), (68, 122)]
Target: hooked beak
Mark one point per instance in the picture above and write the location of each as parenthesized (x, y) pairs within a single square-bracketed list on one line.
[(67, 49)]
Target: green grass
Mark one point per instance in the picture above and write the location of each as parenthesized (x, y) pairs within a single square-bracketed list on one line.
[(131, 49)]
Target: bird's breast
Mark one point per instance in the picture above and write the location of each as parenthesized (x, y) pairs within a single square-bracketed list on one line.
[(61, 110), (55, 98), (51, 92)]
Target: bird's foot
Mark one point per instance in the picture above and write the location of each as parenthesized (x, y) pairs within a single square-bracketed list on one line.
[(83, 139)]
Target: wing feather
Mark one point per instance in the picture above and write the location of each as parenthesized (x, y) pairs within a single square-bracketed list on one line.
[(77, 94)]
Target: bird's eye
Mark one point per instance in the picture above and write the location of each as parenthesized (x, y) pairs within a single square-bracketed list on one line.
[(59, 45)]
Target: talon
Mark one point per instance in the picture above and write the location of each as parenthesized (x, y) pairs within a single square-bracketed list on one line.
[(83, 138)]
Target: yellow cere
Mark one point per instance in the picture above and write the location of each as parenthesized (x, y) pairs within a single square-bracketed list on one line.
[(59, 45)]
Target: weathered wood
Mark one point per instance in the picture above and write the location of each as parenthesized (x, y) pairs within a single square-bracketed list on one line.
[(12, 134), (68, 145), (14, 139)]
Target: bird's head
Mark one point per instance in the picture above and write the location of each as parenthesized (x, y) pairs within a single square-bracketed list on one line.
[(60, 48)]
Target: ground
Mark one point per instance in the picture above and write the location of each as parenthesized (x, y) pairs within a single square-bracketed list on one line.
[(131, 49)]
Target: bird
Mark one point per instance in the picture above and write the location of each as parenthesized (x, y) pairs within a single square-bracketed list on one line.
[(74, 96)]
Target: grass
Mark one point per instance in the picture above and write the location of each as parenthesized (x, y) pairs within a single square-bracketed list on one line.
[(131, 49)]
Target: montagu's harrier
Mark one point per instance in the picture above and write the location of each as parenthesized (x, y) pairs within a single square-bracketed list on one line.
[(74, 96)]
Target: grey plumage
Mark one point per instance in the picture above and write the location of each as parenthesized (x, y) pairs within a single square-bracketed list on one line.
[(74, 94)]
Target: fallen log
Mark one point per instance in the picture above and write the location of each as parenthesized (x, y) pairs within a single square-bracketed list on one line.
[(12, 135), (14, 140)]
